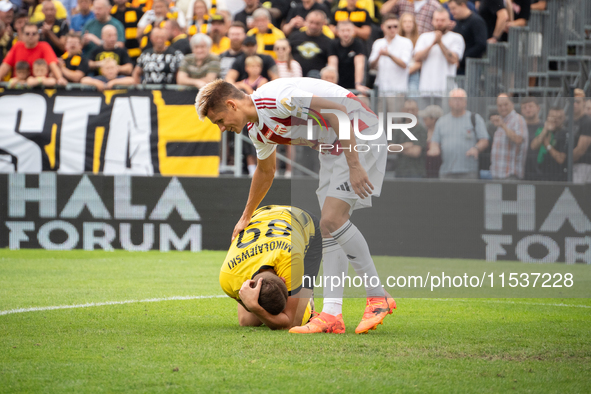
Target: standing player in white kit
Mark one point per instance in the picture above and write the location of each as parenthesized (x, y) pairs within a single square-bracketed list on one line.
[(277, 113)]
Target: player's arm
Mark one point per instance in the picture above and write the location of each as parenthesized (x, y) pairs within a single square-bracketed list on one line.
[(357, 174), (260, 185)]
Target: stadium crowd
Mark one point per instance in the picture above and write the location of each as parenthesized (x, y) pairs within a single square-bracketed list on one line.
[(404, 45), (396, 47)]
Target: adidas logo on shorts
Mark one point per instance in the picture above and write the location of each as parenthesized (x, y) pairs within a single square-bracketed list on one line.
[(344, 187)]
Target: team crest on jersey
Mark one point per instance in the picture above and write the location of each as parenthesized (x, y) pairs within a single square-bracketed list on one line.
[(280, 130), (269, 133)]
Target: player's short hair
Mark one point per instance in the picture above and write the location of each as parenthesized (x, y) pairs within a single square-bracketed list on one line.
[(253, 60), (214, 95), (273, 294), (22, 66), (40, 62)]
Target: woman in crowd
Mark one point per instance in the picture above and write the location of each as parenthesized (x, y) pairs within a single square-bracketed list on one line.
[(430, 115), (200, 67), (198, 19), (409, 29), (287, 67)]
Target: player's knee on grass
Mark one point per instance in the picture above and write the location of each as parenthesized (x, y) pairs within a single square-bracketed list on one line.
[(273, 295)]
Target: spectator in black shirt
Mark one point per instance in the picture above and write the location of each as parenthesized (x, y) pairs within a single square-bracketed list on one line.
[(472, 27), (73, 65), (521, 11), (236, 34), (530, 110), (550, 144), (278, 10), (53, 31), (238, 70), (358, 16), (495, 16), (347, 55), (178, 40), (538, 5), (296, 16), (582, 132), (109, 51), (245, 16), (311, 47), (156, 65)]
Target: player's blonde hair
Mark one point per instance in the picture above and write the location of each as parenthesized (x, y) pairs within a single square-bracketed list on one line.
[(214, 95)]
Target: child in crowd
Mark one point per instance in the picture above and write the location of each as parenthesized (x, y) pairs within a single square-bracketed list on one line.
[(254, 68), (22, 71), (108, 78), (40, 75)]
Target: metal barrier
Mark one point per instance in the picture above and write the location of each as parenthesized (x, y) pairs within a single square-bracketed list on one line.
[(496, 77), (476, 77), (517, 60)]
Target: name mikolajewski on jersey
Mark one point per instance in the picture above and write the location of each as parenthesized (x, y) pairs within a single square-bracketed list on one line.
[(277, 237), (283, 107)]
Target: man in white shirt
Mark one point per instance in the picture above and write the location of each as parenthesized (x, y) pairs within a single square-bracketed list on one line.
[(390, 56), (440, 52), (277, 113)]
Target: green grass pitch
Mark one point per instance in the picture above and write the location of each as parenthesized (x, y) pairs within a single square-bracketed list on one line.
[(196, 345)]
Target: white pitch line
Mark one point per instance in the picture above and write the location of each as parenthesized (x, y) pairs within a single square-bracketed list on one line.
[(176, 298), (509, 302), (51, 308)]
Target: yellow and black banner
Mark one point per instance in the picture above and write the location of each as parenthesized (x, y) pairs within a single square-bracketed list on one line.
[(140, 132)]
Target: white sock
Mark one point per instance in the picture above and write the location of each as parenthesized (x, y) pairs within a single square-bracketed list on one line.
[(334, 264), (357, 251)]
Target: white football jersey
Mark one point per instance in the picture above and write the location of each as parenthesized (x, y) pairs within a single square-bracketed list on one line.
[(283, 108)]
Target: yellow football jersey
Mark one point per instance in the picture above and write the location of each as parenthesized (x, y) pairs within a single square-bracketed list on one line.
[(278, 238)]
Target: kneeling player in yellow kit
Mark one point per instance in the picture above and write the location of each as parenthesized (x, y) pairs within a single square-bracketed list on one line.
[(266, 264)]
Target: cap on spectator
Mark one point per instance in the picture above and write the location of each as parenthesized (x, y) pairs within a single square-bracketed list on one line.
[(217, 18), (250, 40), (5, 6)]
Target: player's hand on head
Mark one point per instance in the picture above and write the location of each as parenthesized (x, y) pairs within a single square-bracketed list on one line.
[(240, 226), (360, 182), (249, 292)]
